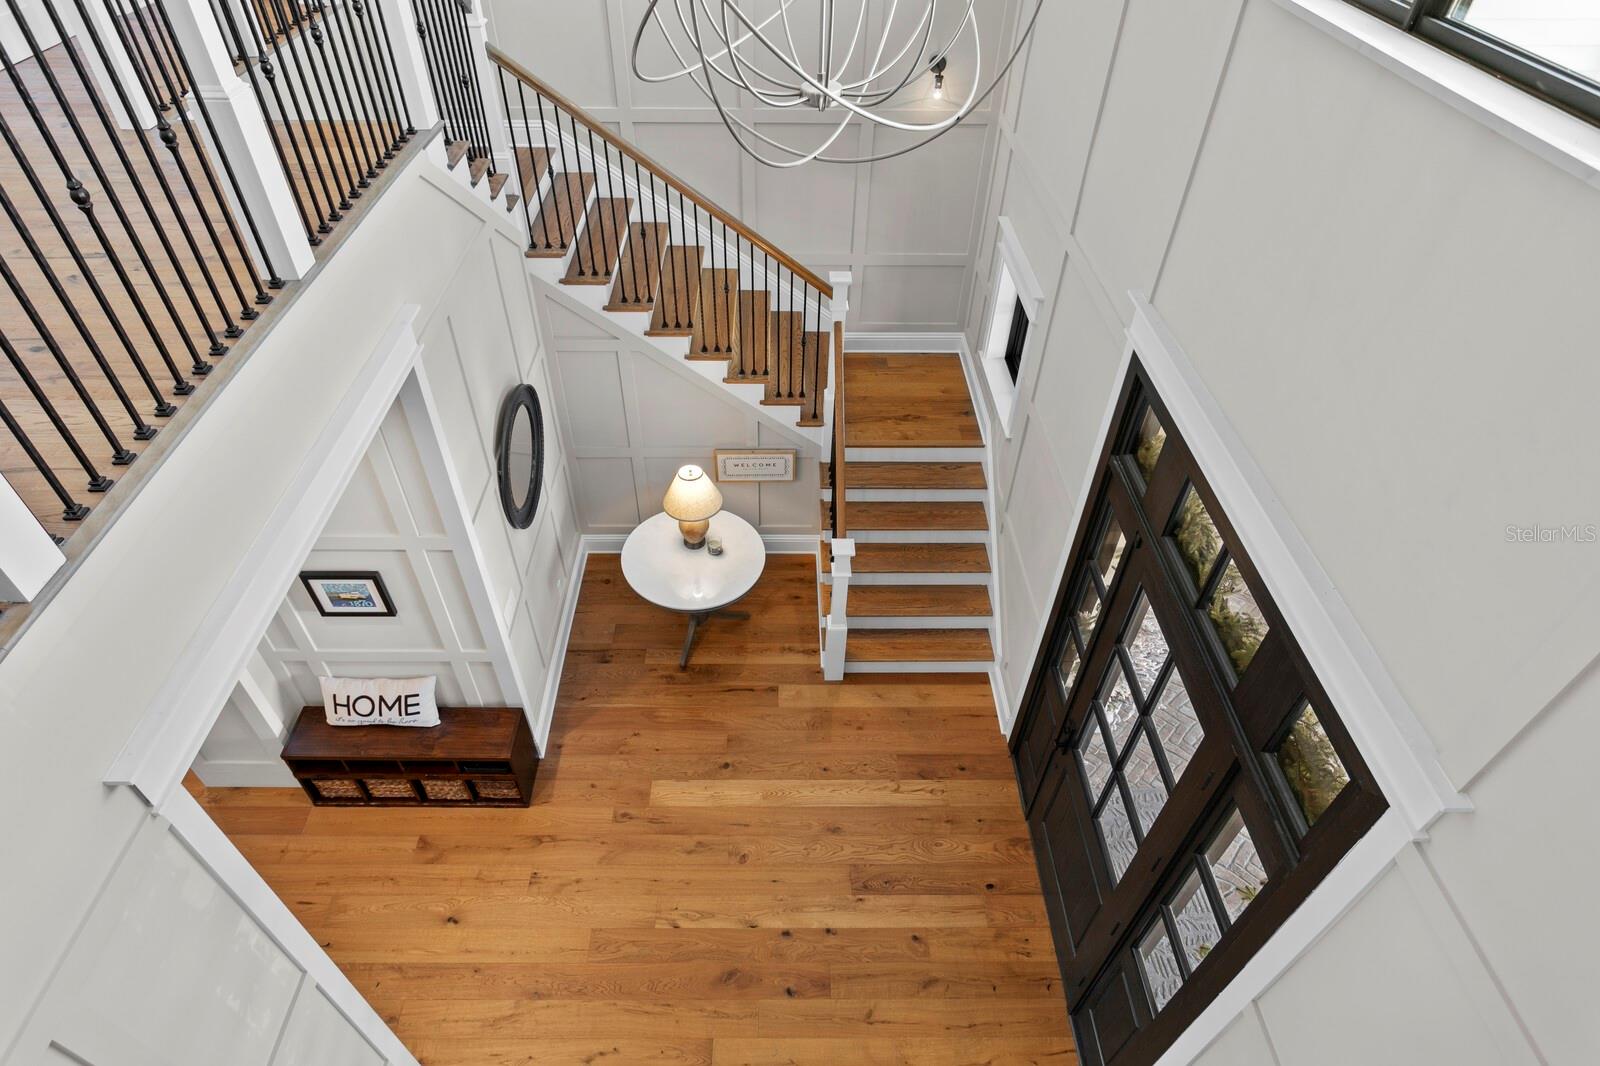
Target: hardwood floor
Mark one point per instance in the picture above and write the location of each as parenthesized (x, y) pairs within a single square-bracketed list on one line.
[(733, 864), (908, 401)]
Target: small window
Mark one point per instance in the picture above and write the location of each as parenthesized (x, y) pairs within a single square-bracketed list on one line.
[(1017, 339)]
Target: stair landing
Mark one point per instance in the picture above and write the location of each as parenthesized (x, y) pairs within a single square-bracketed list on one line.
[(908, 401)]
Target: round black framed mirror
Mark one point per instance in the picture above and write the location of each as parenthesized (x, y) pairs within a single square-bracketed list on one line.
[(519, 454)]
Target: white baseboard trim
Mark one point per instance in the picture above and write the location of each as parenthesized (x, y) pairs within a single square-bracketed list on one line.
[(911, 343), (558, 654), (776, 543)]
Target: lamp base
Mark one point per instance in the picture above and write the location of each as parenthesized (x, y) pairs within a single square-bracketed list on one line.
[(694, 533)]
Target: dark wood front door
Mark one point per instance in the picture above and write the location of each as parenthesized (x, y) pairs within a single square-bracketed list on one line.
[(1185, 778)]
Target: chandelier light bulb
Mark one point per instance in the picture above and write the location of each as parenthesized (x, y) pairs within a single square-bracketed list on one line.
[(801, 53)]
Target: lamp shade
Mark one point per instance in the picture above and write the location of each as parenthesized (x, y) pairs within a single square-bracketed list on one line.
[(692, 497)]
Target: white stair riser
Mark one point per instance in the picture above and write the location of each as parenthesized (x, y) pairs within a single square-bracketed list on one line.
[(913, 455), (914, 579), (901, 621), (917, 668), (855, 495), (919, 536)]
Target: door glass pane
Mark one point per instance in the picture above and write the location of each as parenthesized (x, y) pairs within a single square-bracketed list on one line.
[(1068, 664), (1116, 831), (1565, 32), (1311, 766), (1096, 760), (1147, 448), (1198, 929), (1147, 647), (1088, 611), (1144, 783), (1160, 965), (1236, 617), (1177, 729), (1109, 557), (1117, 699), (1198, 540), (1236, 865)]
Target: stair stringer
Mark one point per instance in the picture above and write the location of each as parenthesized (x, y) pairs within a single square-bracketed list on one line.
[(671, 352)]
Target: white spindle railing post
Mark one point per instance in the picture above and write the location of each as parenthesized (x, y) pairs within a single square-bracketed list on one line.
[(838, 629), (28, 555), (245, 136), (411, 65), (489, 88)]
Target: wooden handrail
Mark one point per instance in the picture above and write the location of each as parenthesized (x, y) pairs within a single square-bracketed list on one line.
[(840, 527), (595, 125)]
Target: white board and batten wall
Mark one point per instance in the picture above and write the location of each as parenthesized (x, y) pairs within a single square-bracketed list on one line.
[(634, 419), (1403, 360), (138, 935)]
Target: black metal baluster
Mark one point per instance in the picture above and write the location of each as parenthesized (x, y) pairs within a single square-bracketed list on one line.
[(356, 134), (646, 236), (298, 123), (680, 265), (255, 71), (450, 61), (98, 482), (170, 139), (381, 31), (599, 215), (435, 65), (700, 281), (566, 184), (594, 186), (121, 455), (72, 510), (339, 161), (375, 118), (549, 163), (383, 76), (801, 353), (470, 83)]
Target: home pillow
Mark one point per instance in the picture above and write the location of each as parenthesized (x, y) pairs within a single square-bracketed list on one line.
[(406, 701)]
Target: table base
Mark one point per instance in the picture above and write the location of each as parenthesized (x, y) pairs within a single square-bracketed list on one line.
[(696, 619)]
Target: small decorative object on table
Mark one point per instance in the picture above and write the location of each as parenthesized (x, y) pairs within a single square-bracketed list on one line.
[(693, 500), (713, 544)]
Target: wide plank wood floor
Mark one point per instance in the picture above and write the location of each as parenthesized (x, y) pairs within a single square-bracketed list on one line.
[(908, 401), (733, 865)]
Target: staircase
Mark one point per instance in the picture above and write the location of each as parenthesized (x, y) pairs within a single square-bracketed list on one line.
[(913, 509)]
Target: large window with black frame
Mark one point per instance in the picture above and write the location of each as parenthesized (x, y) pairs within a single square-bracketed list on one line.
[(1549, 47), (1186, 778)]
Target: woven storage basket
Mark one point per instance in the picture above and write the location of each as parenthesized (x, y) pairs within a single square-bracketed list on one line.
[(338, 790), (444, 789), (497, 789), (389, 788)]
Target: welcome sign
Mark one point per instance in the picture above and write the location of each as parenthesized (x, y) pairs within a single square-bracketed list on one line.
[(407, 701)]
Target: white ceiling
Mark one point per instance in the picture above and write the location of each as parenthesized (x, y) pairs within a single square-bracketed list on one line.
[(906, 227)]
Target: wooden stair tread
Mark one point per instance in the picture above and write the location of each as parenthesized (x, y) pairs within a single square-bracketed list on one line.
[(913, 601), (477, 169), (917, 558), (902, 515), (556, 222), (497, 182), (918, 645), (864, 475), (716, 333), (599, 246), (680, 285), (908, 401), (755, 337), (454, 152), (640, 270)]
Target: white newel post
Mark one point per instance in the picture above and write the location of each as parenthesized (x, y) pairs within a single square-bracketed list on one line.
[(411, 66), (489, 87), (28, 555), (838, 310), (245, 138), (838, 629)]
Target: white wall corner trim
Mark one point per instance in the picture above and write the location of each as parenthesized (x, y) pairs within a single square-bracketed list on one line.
[(546, 715), (206, 841), (1556, 136), (1392, 740), (167, 738)]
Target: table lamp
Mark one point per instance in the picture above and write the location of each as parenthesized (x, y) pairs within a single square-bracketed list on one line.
[(692, 499)]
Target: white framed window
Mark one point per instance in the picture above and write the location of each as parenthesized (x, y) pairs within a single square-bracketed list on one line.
[(1010, 341)]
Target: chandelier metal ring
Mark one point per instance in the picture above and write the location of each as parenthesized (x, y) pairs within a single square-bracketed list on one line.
[(729, 49)]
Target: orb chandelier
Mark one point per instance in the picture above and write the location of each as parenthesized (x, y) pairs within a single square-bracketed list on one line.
[(755, 46)]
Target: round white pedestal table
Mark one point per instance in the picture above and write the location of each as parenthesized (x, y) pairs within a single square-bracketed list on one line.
[(692, 581)]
